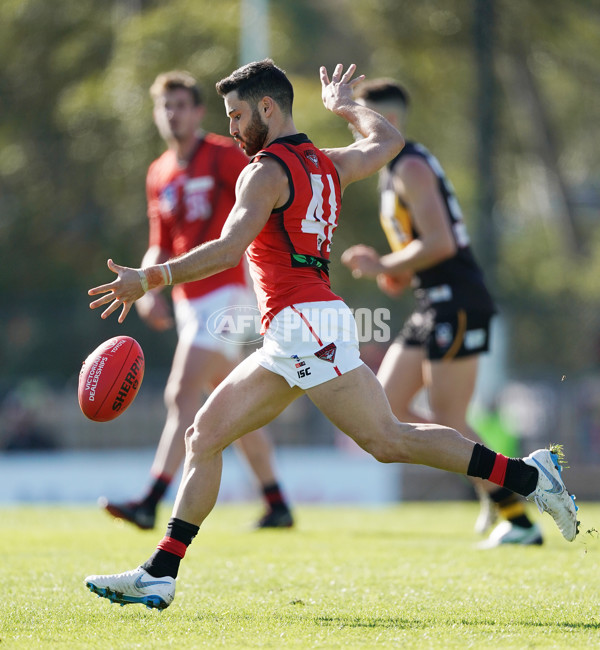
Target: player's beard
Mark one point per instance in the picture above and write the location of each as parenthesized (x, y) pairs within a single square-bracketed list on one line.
[(256, 134)]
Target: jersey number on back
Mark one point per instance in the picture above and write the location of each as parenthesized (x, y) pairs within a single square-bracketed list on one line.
[(321, 218)]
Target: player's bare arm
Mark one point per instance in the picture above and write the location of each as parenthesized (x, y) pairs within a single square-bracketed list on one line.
[(260, 188), (381, 141), (417, 185)]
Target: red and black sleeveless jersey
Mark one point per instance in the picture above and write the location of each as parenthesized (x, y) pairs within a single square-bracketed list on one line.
[(289, 258)]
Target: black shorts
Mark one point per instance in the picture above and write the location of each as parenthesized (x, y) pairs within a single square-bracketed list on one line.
[(447, 334)]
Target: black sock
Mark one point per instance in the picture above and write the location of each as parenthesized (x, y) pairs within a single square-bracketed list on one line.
[(482, 462), (518, 476), (500, 495), (274, 497), (171, 550), (156, 493), (511, 507)]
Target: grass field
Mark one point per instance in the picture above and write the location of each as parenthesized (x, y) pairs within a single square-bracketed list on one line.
[(406, 576)]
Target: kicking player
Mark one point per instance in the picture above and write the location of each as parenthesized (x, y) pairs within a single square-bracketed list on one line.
[(190, 190), (286, 210)]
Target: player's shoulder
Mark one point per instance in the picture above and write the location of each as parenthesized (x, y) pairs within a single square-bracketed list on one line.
[(166, 158), (265, 177), (414, 159), (265, 166), (282, 160), (226, 149), (217, 140), (222, 142), (163, 165)]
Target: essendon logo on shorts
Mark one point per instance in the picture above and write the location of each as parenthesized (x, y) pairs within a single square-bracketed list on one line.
[(327, 353), (312, 156)]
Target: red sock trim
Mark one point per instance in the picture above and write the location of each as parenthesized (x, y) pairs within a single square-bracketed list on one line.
[(274, 499), (499, 471), (172, 546), (162, 477)]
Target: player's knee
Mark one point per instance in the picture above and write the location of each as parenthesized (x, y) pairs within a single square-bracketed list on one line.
[(190, 435), (201, 443), (388, 446)]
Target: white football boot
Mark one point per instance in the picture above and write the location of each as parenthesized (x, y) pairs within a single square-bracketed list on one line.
[(136, 586), (550, 494), (507, 533)]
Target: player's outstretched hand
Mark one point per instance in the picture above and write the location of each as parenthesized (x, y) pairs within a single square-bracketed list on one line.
[(394, 285), (337, 93), (362, 261), (123, 291)]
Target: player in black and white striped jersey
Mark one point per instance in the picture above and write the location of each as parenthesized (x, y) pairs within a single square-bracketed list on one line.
[(440, 344)]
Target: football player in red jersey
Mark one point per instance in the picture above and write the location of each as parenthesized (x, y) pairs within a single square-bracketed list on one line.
[(190, 190), (286, 209), (440, 343)]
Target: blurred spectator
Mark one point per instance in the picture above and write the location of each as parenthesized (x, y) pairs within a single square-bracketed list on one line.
[(20, 429)]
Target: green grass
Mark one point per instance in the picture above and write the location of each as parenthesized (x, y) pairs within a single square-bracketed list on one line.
[(406, 576)]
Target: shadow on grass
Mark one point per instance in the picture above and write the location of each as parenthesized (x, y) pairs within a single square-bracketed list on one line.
[(388, 622), (399, 622)]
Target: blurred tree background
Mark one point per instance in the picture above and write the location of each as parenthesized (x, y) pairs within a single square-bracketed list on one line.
[(76, 138)]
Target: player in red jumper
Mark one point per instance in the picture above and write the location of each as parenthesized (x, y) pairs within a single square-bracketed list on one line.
[(287, 205), (190, 190)]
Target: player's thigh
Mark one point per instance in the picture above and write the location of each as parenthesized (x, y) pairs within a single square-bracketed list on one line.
[(401, 375), (248, 398), (196, 368), (356, 404), (451, 386)]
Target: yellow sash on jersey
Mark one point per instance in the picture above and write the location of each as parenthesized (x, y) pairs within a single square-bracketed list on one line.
[(395, 221)]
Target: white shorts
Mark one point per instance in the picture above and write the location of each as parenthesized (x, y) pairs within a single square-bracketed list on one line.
[(205, 322), (311, 343)]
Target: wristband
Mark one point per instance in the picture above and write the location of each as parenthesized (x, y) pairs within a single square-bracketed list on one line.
[(167, 275), (143, 279), (157, 276)]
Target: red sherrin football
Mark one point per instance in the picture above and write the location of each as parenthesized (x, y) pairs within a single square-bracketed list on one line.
[(110, 378)]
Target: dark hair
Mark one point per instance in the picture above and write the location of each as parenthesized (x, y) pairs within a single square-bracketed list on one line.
[(382, 90), (256, 80), (174, 80)]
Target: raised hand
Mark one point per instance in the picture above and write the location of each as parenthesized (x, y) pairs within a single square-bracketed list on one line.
[(337, 93), (123, 291)]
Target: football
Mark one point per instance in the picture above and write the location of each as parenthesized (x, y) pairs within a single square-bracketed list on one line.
[(110, 378)]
